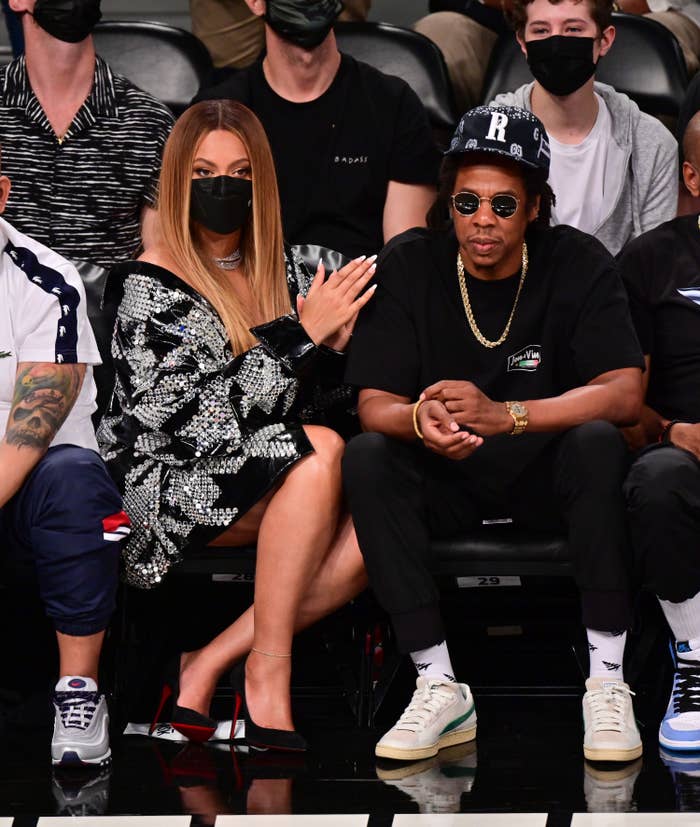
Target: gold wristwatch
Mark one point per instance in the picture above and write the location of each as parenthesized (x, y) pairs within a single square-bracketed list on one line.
[(519, 413)]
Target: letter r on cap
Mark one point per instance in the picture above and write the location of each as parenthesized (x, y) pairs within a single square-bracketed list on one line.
[(497, 129)]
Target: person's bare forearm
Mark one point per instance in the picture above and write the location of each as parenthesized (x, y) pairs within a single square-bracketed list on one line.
[(392, 416), (618, 401), (43, 397)]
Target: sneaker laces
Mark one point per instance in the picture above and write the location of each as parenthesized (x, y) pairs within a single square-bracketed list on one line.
[(77, 709), (427, 701), (686, 691), (609, 706)]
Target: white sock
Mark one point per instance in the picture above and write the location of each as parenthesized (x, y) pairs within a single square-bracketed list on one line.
[(434, 662), (606, 650), (684, 620)]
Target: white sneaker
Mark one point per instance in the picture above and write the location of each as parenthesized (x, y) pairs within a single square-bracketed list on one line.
[(441, 714), (610, 731), (81, 724)]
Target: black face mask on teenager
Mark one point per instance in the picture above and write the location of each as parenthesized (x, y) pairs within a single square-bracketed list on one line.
[(561, 64), (304, 23), (221, 204), (67, 20)]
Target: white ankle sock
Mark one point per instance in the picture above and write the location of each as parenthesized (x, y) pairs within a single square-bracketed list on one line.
[(606, 650), (684, 620), (434, 662)]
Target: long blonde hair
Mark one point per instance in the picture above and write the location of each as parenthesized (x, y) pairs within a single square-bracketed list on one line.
[(262, 244)]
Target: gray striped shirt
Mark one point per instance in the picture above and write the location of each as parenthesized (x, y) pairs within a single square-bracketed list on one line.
[(82, 195)]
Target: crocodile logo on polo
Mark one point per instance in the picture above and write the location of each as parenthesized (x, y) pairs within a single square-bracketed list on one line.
[(5, 353)]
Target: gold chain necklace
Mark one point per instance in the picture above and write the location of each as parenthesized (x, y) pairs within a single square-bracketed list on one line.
[(468, 307)]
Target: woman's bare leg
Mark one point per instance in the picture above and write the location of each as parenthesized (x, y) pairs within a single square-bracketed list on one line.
[(340, 577), (296, 530)]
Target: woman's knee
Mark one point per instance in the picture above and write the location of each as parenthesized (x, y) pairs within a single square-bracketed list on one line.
[(327, 444)]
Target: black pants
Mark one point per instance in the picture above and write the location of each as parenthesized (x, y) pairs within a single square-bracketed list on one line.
[(663, 506), (400, 496)]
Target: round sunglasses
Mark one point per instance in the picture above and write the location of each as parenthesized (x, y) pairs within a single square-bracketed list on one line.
[(503, 205)]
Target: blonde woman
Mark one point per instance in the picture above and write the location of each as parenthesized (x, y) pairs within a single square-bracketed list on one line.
[(206, 434)]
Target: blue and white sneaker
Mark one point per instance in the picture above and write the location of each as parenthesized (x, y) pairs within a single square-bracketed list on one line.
[(81, 724), (680, 728)]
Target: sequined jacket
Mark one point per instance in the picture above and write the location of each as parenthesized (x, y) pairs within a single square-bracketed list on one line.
[(194, 436)]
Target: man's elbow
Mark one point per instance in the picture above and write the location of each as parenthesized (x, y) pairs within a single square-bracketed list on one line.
[(629, 405)]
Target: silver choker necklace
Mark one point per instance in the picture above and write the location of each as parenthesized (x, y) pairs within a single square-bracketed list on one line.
[(232, 262)]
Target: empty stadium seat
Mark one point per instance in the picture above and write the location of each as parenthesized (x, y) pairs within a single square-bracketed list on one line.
[(645, 62), (169, 63), (410, 56)]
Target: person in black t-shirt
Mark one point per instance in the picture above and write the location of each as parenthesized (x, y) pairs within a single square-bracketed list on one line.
[(355, 157), (494, 308), (661, 271)]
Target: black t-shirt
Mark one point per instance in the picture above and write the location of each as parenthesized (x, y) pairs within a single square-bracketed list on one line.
[(336, 155), (661, 270), (572, 323)]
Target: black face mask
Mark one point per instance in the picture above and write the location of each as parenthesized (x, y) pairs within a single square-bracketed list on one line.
[(304, 23), (221, 204), (67, 20), (561, 64)]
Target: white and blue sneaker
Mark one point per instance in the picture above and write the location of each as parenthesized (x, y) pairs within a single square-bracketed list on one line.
[(81, 724), (680, 728)]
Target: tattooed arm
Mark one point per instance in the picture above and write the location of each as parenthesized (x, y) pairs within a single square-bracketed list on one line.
[(43, 397)]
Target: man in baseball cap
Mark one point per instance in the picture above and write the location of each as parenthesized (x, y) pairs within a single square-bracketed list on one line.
[(494, 365)]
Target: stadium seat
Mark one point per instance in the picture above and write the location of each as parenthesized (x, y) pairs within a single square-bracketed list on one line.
[(645, 63), (169, 63), (410, 56)]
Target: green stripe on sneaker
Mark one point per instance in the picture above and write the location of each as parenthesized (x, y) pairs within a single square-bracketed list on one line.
[(457, 721)]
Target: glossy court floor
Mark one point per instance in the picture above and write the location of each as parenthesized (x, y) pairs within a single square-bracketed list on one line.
[(526, 765)]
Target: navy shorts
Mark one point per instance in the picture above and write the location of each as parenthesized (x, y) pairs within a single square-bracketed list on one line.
[(64, 529)]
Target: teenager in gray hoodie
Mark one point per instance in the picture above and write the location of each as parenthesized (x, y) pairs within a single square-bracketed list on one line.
[(613, 168)]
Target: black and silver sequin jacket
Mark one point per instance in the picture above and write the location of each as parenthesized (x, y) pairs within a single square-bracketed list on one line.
[(194, 436)]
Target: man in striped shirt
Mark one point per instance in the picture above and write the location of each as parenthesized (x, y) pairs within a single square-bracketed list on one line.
[(61, 515), (81, 145)]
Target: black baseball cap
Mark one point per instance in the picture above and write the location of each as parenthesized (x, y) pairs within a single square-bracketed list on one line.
[(508, 131)]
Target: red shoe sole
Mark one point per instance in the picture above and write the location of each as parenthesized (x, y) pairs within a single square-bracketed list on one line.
[(198, 734)]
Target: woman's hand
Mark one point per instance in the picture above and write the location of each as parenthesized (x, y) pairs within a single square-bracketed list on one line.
[(330, 309)]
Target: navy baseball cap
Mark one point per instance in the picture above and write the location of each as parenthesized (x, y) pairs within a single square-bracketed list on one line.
[(508, 131)]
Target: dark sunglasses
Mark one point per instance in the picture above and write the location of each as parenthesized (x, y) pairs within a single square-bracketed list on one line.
[(467, 203)]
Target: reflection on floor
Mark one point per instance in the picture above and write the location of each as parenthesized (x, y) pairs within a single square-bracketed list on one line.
[(527, 758)]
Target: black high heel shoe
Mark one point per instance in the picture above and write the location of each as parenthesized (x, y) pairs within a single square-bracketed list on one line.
[(258, 736), (193, 725)]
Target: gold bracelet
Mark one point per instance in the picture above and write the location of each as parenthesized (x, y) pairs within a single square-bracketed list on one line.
[(269, 654), (416, 408)]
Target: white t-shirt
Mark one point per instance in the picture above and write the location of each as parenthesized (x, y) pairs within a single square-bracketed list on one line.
[(577, 175), (43, 318)]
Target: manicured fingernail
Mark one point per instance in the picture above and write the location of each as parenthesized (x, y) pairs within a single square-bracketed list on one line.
[(360, 259), (320, 262), (421, 397), (373, 288), (372, 268), (372, 258)]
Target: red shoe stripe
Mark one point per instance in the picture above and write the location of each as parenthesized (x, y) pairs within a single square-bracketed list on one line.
[(115, 521)]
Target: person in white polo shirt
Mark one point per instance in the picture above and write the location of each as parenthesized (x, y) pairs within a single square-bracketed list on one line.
[(61, 515)]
